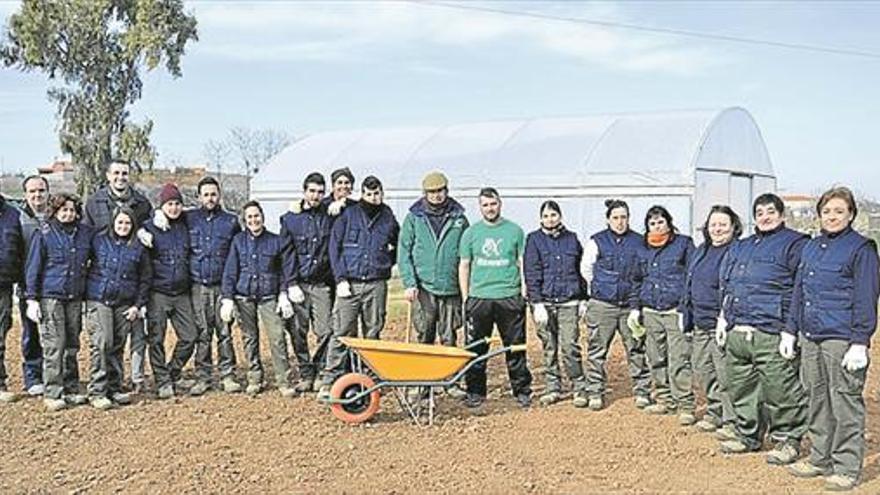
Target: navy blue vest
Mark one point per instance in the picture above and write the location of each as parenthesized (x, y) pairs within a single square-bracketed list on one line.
[(664, 272), (616, 267)]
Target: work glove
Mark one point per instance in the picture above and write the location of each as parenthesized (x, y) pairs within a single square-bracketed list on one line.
[(343, 289), (336, 207), (680, 316), (160, 221), (227, 308), (786, 345), (539, 313), (33, 311), (721, 331), (145, 237), (411, 294), (296, 295), (582, 310), (285, 308), (296, 206), (132, 313), (856, 358), (635, 326), (142, 313)]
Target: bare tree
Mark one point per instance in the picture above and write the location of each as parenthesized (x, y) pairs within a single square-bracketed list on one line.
[(217, 154), (255, 147)]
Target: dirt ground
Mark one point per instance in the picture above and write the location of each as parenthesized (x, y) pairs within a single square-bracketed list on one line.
[(235, 444)]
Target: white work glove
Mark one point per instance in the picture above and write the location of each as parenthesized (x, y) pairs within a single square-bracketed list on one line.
[(132, 313), (411, 294), (632, 322), (296, 295), (680, 321), (539, 313), (142, 313), (227, 308), (582, 310), (343, 289), (160, 221), (856, 358), (33, 311), (336, 207), (786, 345), (296, 206), (285, 308), (721, 331), (145, 237)]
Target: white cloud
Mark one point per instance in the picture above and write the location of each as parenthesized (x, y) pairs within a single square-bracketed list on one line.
[(347, 30)]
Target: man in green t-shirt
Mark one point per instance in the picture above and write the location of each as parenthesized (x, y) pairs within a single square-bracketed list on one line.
[(489, 274)]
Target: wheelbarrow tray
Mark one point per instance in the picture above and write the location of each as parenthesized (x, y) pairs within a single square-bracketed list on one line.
[(400, 361)]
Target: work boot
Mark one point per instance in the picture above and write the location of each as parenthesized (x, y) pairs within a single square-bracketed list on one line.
[(76, 399), (101, 403), (121, 398), (782, 454), (473, 401), (596, 403), (165, 392), (253, 388), (642, 402), (455, 392), (580, 399), (199, 388), (36, 390), (184, 384), (323, 394), (840, 483), (304, 385), (686, 419), (524, 400), (287, 392), (7, 397), (734, 447), (230, 385), (658, 408), (806, 469), (706, 426), (726, 432), (549, 398), (54, 405)]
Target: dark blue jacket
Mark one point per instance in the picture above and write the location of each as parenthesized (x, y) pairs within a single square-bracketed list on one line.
[(836, 289), (308, 234), (100, 206), (551, 265), (120, 272), (210, 235), (11, 245), (757, 278), (257, 268), (616, 270), (663, 272), (57, 262), (170, 258), (362, 249), (701, 302)]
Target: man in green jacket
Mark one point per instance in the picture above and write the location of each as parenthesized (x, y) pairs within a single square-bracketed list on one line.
[(427, 257)]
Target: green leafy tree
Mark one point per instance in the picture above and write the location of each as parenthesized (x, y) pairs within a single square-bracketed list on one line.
[(96, 51)]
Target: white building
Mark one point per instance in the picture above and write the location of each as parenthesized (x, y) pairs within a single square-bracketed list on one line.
[(684, 160)]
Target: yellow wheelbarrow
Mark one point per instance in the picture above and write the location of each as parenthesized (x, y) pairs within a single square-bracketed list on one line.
[(402, 367)]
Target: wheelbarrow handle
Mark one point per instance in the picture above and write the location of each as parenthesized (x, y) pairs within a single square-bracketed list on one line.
[(484, 341), (518, 348)]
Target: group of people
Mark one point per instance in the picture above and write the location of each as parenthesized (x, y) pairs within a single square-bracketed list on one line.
[(774, 327)]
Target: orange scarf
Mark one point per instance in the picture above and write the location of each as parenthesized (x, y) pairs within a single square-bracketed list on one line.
[(658, 240)]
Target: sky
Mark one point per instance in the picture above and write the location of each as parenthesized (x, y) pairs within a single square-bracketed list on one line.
[(305, 67)]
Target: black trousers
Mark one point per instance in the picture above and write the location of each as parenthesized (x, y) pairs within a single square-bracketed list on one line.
[(509, 314)]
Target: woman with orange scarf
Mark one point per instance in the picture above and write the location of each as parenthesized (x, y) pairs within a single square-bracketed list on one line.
[(664, 261)]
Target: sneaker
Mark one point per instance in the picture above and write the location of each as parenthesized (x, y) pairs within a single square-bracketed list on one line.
[(524, 400), (101, 403), (595, 403), (230, 385), (840, 483), (253, 389), (782, 454), (323, 394), (580, 399), (549, 398), (705, 426), (642, 401), (184, 384), (165, 392), (455, 392), (658, 408), (806, 469), (287, 392), (36, 390), (686, 419), (199, 388), (76, 399), (54, 405), (473, 401), (734, 447), (7, 397), (304, 385), (726, 432), (121, 398)]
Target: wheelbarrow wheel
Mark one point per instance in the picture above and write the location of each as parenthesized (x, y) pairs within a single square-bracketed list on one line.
[(348, 386)]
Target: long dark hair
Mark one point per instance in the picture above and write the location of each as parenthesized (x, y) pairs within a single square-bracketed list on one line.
[(57, 201), (734, 220), (123, 210), (659, 211)]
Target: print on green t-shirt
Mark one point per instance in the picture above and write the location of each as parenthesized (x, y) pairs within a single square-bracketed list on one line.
[(493, 250)]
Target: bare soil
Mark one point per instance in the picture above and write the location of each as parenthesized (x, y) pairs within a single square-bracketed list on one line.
[(235, 444)]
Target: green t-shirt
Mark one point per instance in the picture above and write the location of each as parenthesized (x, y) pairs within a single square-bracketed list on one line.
[(493, 250)]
